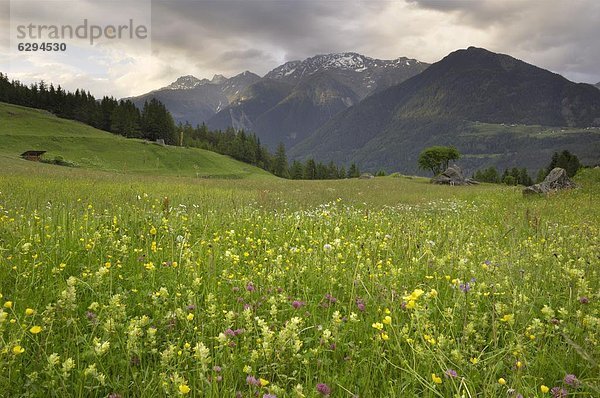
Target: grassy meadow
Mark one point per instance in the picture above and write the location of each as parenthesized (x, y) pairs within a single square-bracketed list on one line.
[(147, 281), (23, 129)]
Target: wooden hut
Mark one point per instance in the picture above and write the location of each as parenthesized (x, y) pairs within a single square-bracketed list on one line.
[(34, 156)]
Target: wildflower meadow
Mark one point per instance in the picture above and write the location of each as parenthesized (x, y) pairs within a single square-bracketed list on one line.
[(112, 286)]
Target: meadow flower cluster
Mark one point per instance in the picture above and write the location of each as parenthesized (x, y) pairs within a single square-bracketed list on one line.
[(139, 295)]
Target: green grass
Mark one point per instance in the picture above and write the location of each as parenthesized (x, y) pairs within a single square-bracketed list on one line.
[(149, 285), (30, 129)]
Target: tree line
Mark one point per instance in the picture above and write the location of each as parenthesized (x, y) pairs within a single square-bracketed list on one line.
[(516, 176), (437, 158), (247, 148), (119, 117), (154, 122)]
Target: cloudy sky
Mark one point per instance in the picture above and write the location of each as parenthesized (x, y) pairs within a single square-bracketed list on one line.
[(202, 37)]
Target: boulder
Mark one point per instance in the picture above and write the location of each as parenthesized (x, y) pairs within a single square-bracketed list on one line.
[(453, 176), (556, 180), (366, 176)]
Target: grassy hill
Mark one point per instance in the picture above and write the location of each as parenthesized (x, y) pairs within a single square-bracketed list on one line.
[(25, 129)]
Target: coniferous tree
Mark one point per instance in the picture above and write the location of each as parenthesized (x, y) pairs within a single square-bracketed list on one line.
[(524, 178), (322, 171), (280, 163), (296, 170), (565, 160), (353, 172), (125, 120), (310, 170), (157, 122)]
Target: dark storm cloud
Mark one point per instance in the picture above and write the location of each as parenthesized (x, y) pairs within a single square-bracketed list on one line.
[(205, 37), (279, 30), (226, 35), (242, 59)]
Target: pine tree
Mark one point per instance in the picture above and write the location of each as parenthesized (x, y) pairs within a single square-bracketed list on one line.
[(157, 122), (322, 171), (353, 172), (296, 170), (524, 178), (280, 163), (310, 170), (565, 160)]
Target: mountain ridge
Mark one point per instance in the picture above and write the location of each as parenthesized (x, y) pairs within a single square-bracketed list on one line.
[(319, 87), (196, 100), (389, 128)]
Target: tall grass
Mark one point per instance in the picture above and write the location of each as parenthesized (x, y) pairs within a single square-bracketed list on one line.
[(391, 287)]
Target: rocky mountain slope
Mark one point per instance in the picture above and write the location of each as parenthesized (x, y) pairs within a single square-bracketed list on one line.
[(196, 100), (318, 88)]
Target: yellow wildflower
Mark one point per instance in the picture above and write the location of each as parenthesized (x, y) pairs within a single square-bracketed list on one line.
[(18, 350), (385, 336), (544, 389), (501, 381), (414, 295), (519, 364), (508, 318), (377, 325), (35, 329), (184, 389), (387, 320), (436, 379), (263, 382), (190, 317), (29, 311), (8, 304)]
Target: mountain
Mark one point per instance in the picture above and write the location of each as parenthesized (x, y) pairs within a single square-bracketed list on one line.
[(253, 101), (475, 99), (597, 85), (318, 88), (310, 104), (364, 75), (196, 100)]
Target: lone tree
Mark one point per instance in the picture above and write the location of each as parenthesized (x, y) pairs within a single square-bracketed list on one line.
[(437, 158)]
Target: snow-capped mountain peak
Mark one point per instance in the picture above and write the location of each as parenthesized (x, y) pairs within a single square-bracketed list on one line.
[(346, 61), (185, 83)]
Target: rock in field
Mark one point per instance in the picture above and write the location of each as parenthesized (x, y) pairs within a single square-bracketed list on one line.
[(556, 180), (453, 176)]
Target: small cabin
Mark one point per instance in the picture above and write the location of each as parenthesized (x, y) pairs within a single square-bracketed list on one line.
[(34, 156)]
